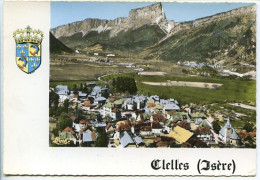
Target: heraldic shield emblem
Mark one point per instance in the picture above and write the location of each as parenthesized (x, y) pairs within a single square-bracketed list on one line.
[(28, 49)]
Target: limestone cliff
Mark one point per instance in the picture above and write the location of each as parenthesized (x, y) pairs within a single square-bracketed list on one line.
[(138, 17)]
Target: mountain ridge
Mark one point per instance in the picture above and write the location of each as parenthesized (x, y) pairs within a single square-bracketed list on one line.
[(152, 14), (146, 30)]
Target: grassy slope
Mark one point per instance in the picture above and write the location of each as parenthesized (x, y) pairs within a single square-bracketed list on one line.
[(131, 40), (210, 41), (57, 47)]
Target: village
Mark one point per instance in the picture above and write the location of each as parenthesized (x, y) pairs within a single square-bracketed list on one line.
[(95, 117)]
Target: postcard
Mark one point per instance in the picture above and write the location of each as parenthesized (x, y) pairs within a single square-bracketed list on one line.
[(130, 88)]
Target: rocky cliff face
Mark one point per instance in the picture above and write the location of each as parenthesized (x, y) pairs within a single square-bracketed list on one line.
[(138, 17), (229, 35)]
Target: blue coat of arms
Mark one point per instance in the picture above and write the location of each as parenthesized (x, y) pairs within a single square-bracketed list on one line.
[(28, 49)]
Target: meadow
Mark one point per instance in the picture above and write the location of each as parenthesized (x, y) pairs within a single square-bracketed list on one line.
[(232, 90), (77, 71)]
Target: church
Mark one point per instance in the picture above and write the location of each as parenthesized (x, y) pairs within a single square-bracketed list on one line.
[(229, 135)]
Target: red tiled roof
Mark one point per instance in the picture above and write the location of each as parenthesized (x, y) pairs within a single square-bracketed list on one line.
[(156, 125), (252, 134), (184, 125), (82, 121), (68, 129), (167, 138), (151, 105), (72, 118), (242, 134), (162, 144), (156, 139), (172, 112), (115, 109), (112, 99), (123, 127), (87, 104), (202, 130), (145, 128)]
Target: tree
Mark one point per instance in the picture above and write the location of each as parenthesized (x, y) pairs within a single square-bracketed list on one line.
[(66, 105), (132, 89), (105, 94), (53, 99), (124, 84), (102, 139), (81, 86), (75, 87), (216, 126), (248, 127), (64, 121), (111, 84)]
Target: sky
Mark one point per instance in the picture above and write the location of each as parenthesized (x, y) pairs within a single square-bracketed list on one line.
[(68, 12)]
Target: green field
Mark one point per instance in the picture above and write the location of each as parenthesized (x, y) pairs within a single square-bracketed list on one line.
[(75, 71), (234, 90)]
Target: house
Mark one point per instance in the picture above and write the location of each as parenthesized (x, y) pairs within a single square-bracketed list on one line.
[(156, 99), (99, 91), (128, 104), (109, 110), (123, 125), (82, 124), (197, 115), (170, 107), (204, 134), (89, 136), (145, 130), (139, 101), (68, 129), (101, 124), (157, 108), (177, 116), (181, 135), (91, 84), (87, 105), (138, 141), (203, 123), (111, 55), (100, 100), (119, 103), (228, 134), (156, 128), (126, 140), (82, 95), (68, 133), (163, 102), (63, 92)]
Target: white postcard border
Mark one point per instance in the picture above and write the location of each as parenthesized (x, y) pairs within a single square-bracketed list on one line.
[(28, 152)]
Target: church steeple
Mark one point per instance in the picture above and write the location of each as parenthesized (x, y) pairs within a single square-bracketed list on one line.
[(228, 125)]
